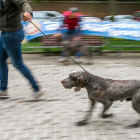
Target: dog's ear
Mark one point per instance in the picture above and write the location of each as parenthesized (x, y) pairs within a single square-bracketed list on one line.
[(79, 81), (79, 84)]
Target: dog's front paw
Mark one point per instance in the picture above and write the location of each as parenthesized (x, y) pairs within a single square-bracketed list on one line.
[(80, 123), (106, 115)]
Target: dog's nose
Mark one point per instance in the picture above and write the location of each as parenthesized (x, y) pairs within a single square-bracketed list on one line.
[(62, 81)]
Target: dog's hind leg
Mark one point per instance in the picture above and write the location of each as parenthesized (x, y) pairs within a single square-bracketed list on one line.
[(88, 115), (136, 107), (107, 104)]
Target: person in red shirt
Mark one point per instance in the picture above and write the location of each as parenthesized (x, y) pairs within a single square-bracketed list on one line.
[(71, 21)]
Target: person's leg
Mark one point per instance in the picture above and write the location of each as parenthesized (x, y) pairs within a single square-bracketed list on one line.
[(77, 34), (78, 55), (3, 67), (67, 34), (13, 48), (65, 38), (77, 38)]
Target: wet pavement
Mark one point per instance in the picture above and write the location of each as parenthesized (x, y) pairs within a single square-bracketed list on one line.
[(54, 116)]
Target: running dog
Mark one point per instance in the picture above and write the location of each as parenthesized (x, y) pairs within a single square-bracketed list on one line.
[(105, 91), (71, 47)]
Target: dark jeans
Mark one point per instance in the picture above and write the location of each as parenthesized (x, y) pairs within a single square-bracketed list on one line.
[(10, 46), (75, 32)]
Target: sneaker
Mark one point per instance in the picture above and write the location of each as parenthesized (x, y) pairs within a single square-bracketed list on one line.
[(38, 95), (3, 94)]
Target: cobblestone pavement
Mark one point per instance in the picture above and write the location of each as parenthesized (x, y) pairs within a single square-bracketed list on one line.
[(54, 116)]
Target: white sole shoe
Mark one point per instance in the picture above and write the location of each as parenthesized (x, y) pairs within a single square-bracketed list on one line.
[(4, 95), (38, 95)]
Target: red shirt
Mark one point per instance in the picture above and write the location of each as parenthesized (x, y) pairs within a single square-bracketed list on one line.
[(71, 22)]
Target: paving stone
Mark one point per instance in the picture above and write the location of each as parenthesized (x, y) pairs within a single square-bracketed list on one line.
[(55, 115)]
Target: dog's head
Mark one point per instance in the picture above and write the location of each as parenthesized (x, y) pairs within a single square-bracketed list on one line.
[(57, 37), (75, 79)]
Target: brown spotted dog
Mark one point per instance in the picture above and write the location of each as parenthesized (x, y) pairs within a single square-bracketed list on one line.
[(71, 47), (105, 91)]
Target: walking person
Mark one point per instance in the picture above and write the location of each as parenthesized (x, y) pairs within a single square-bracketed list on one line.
[(72, 18), (10, 43), (71, 21)]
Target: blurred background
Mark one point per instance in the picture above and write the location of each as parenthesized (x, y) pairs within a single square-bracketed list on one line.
[(126, 11), (98, 8)]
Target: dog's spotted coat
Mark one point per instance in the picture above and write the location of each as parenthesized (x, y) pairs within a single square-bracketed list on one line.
[(104, 90)]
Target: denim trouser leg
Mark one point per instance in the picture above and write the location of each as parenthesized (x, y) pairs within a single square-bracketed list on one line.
[(13, 48), (67, 35), (3, 67), (75, 32)]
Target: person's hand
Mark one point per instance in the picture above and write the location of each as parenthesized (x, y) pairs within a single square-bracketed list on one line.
[(27, 16)]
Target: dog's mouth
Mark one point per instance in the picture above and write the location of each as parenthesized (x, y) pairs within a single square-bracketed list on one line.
[(67, 87)]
